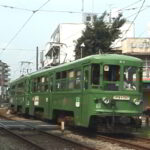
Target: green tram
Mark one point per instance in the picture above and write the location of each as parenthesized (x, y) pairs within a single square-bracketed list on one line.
[(96, 91)]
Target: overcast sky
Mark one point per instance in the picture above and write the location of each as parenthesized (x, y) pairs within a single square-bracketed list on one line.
[(25, 24)]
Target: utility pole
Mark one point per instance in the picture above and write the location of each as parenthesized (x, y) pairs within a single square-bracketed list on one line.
[(41, 58), (92, 6), (37, 58), (110, 6), (82, 6)]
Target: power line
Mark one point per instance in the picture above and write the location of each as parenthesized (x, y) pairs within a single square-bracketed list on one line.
[(136, 16), (48, 11), (18, 31), (124, 8), (12, 7), (133, 20), (140, 11), (62, 11), (19, 49), (33, 12)]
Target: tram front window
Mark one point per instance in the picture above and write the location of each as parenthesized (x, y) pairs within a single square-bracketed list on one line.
[(111, 77), (130, 78)]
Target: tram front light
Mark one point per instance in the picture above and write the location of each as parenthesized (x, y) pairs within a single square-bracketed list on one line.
[(136, 101), (106, 100)]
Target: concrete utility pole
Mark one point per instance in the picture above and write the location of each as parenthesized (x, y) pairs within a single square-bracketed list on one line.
[(37, 58), (41, 58), (110, 7), (82, 6)]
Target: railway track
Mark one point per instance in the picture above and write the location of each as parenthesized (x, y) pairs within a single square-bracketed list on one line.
[(21, 139), (138, 143), (128, 142), (42, 140)]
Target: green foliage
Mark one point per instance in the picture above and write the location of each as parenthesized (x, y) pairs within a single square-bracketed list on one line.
[(99, 36)]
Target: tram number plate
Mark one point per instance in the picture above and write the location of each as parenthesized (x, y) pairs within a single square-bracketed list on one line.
[(121, 97)]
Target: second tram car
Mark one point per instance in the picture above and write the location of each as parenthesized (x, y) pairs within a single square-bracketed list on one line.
[(97, 91), (146, 96)]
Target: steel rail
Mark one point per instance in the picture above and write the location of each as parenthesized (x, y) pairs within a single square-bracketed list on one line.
[(67, 139), (21, 138), (124, 143), (62, 137)]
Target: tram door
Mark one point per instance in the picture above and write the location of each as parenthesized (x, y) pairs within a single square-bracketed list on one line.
[(85, 94)]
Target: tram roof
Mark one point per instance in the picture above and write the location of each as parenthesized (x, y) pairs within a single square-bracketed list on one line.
[(92, 58)]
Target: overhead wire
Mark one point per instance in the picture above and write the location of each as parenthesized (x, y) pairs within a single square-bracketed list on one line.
[(28, 19), (30, 10), (124, 8), (18, 49), (13, 7), (135, 16), (38, 10), (18, 31), (140, 9)]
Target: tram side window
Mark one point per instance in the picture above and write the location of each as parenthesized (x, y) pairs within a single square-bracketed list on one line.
[(13, 90), (95, 77), (70, 79), (61, 78), (43, 84), (51, 84), (40, 84), (78, 79), (34, 85), (57, 80), (20, 88), (71, 76), (46, 84)]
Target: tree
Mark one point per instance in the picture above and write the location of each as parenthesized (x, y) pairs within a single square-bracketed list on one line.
[(99, 36)]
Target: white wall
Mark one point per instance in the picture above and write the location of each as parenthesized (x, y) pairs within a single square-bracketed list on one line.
[(66, 34), (69, 33)]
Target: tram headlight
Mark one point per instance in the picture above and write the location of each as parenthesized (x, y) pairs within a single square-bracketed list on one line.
[(106, 100), (136, 101)]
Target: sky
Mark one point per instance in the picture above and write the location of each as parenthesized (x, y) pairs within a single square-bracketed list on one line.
[(26, 24)]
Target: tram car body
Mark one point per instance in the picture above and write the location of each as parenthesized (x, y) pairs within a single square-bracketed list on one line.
[(97, 91)]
